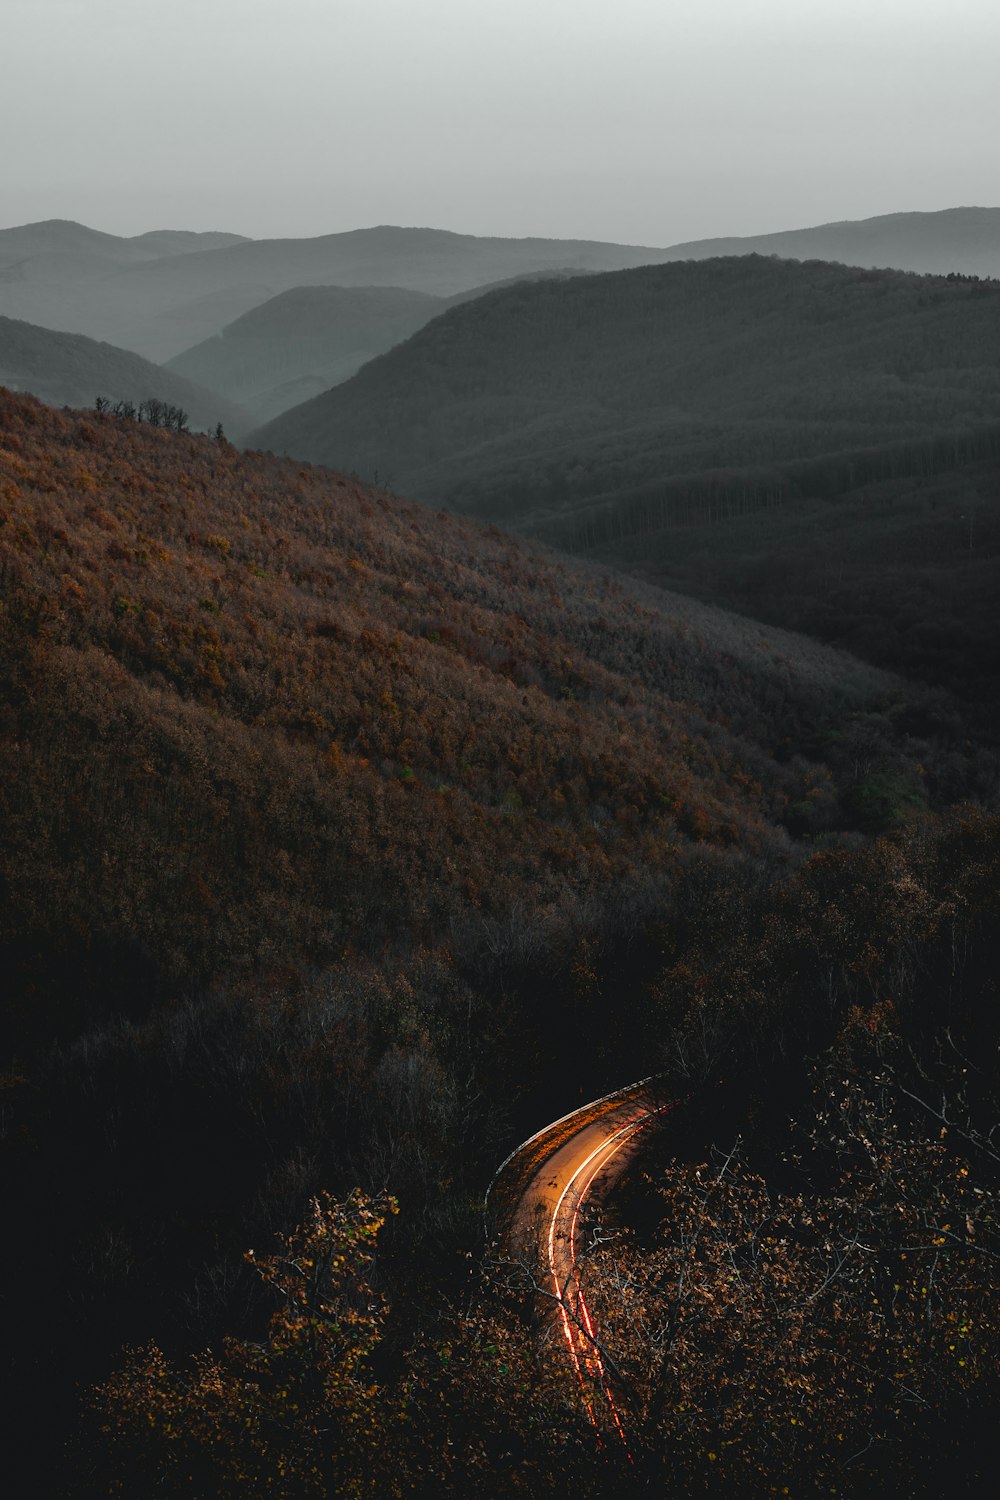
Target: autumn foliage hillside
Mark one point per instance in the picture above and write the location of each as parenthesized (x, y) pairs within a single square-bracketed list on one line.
[(257, 713), (346, 842)]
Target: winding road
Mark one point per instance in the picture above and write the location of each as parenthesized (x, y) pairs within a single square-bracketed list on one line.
[(575, 1159)]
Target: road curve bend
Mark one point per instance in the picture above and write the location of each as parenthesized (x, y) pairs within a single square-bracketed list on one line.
[(561, 1167)]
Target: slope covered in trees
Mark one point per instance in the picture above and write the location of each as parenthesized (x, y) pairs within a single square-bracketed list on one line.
[(310, 338), (903, 571), (538, 401), (344, 843), (302, 342), (68, 369), (423, 675)]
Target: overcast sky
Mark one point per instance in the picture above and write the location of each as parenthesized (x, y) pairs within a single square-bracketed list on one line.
[(646, 121)]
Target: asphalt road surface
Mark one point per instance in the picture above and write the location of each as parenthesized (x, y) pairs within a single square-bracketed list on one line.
[(548, 1222)]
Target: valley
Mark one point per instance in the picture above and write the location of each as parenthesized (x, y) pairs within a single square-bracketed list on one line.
[(591, 678)]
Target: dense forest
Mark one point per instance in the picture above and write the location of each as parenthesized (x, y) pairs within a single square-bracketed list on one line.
[(902, 569), (537, 402), (345, 842)]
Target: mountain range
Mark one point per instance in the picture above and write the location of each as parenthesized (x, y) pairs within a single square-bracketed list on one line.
[(159, 294), (64, 276), (349, 837)]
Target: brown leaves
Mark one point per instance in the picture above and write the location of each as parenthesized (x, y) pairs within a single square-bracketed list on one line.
[(297, 1413), (772, 1327)]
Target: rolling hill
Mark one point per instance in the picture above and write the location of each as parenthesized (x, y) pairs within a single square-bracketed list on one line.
[(429, 710), (306, 340), (539, 403), (159, 308), (161, 293), (963, 240), (68, 369), (28, 250), (303, 341)]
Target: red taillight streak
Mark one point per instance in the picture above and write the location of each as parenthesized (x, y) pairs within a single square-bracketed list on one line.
[(626, 1132)]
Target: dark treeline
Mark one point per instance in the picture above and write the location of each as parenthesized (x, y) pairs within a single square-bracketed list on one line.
[(157, 413), (345, 843)]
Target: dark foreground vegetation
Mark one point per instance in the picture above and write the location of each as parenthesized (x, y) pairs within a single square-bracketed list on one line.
[(345, 843)]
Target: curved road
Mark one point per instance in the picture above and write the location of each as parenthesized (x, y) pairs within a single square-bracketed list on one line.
[(545, 1227)]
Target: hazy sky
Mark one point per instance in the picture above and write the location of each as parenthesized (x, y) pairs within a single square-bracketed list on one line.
[(648, 121)]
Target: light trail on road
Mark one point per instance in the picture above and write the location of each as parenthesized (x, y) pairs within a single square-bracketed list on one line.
[(545, 1223)]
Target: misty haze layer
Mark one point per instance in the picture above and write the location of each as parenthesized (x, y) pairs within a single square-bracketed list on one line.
[(639, 122), (162, 295)]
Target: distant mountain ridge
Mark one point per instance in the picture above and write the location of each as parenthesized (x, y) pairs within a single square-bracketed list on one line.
[(68, 369), (303, 342), (963, 240), (308, 339), (159, 307), (66, 236), (161, 293)]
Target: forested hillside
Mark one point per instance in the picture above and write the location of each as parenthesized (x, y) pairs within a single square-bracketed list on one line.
[(421, 674), (345, 841), (68, 369), (542, 400), (302, 342), (310, 338), (901, 569)]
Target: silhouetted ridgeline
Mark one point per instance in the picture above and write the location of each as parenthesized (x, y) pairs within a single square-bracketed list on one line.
[(950, 241)]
